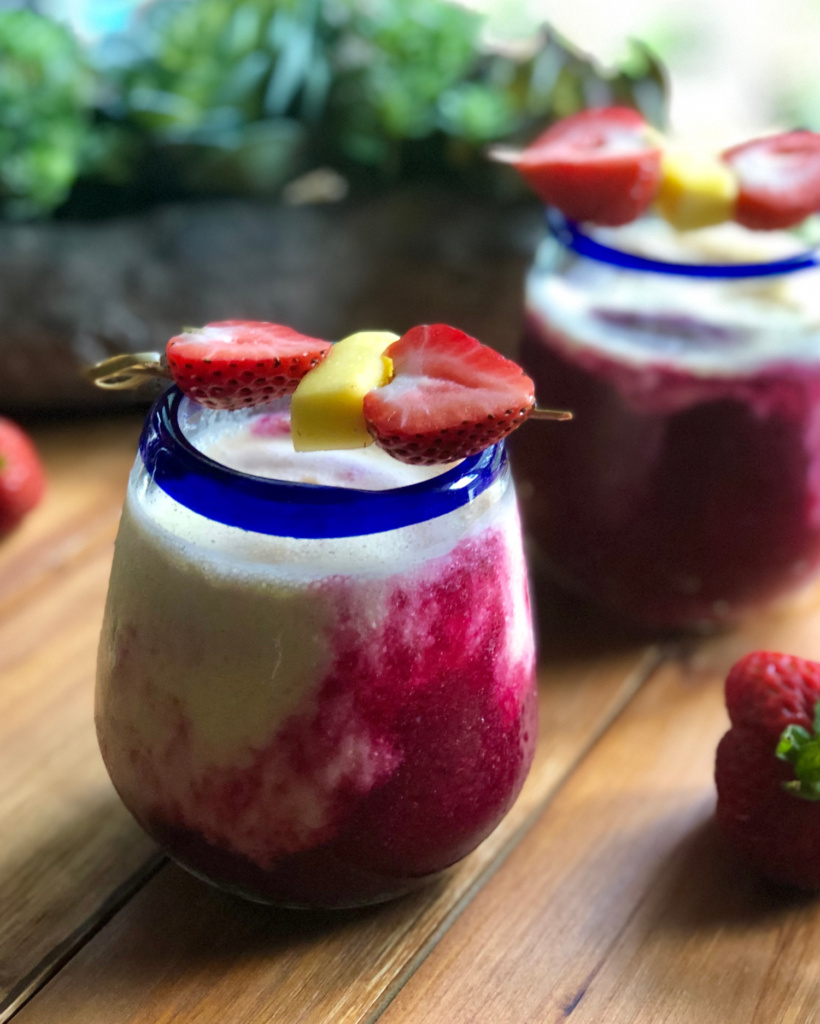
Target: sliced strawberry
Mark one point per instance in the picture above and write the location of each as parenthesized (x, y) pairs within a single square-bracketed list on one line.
[(450, 397), (778, 178), (21, 475), (234, 364), (600, 165)]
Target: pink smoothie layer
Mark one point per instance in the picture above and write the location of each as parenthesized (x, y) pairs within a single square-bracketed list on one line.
[(675, 497), (342, 739)]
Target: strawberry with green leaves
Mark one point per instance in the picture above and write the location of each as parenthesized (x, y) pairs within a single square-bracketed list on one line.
[(768, 766)]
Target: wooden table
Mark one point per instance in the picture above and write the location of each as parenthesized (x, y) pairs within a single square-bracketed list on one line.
[(606, 895)]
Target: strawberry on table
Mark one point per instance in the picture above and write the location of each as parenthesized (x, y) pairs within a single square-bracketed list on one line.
[(778, 178), (21, 475), (601, 165), (768, 766), (449, 397), (236, 364)]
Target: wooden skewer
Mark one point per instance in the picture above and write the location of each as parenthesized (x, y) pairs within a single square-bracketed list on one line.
[(503, 154), (130, 369), (550, 414), (126, 371)]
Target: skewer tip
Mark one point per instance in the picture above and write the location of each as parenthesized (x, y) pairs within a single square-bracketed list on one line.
[(559, 415)]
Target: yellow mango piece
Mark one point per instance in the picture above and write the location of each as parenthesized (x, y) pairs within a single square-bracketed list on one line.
[(697, 189), (326, 407)]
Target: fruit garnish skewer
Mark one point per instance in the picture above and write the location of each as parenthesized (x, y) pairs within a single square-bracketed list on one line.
[(435, 395), (126, 371), (607, 166)]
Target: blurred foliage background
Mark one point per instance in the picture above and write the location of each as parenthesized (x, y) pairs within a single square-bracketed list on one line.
[(241, 97)]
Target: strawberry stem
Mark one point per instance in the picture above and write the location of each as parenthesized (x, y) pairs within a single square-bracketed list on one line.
[(801, 749)]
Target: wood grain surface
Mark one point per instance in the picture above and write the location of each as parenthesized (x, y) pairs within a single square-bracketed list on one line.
[(67, 843), (87, 464), (181, 950), (623, 904), (606, 894)]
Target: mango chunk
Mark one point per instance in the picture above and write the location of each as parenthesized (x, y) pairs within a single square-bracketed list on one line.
[(697, 189), (326, 408)]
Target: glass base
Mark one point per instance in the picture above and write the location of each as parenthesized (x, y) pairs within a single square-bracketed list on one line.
[(313, 880)]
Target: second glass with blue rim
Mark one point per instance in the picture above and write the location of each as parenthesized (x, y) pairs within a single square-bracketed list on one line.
[(686, 492), (315, 682)]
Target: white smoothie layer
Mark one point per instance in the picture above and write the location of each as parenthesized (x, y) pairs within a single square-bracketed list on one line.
[(231, 440), (214, 637), (708, 327), (260, 444)]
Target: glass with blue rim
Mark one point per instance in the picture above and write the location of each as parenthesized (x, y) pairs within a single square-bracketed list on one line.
[(313, 695), (684, 495)]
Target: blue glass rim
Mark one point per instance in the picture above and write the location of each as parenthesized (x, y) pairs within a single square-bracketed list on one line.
[(299, 510), (571, 236)]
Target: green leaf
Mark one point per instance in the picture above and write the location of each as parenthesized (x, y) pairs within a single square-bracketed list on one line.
[(46, 92), (801, 749), (251, 90), (792, 739)]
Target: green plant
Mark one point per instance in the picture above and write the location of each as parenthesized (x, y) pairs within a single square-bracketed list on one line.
[(46, 89), (360, 83), (238, 96)]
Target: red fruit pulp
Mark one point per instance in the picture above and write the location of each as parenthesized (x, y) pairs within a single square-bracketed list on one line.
[(673, 499), (455, 719)]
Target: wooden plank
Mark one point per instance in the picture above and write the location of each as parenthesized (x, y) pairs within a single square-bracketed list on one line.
[(67, 843), (180, 950), (623, 904), (68, 846), (87, 464)]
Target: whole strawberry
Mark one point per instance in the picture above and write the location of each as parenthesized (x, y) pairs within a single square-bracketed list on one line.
[(21, 475), (768, 766)]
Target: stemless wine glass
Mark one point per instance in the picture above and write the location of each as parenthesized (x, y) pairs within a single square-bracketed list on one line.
[(313, 695), (686, 492)]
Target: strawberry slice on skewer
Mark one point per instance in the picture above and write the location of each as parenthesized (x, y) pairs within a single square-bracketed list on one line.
[(450, 397), (236, 364), (778, 178), (601, 165)]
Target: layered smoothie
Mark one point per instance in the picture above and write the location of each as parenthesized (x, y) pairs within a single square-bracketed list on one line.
[(687, 489), (324, 719)]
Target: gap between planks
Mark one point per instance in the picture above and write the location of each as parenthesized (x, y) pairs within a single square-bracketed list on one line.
[(62, 953)]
